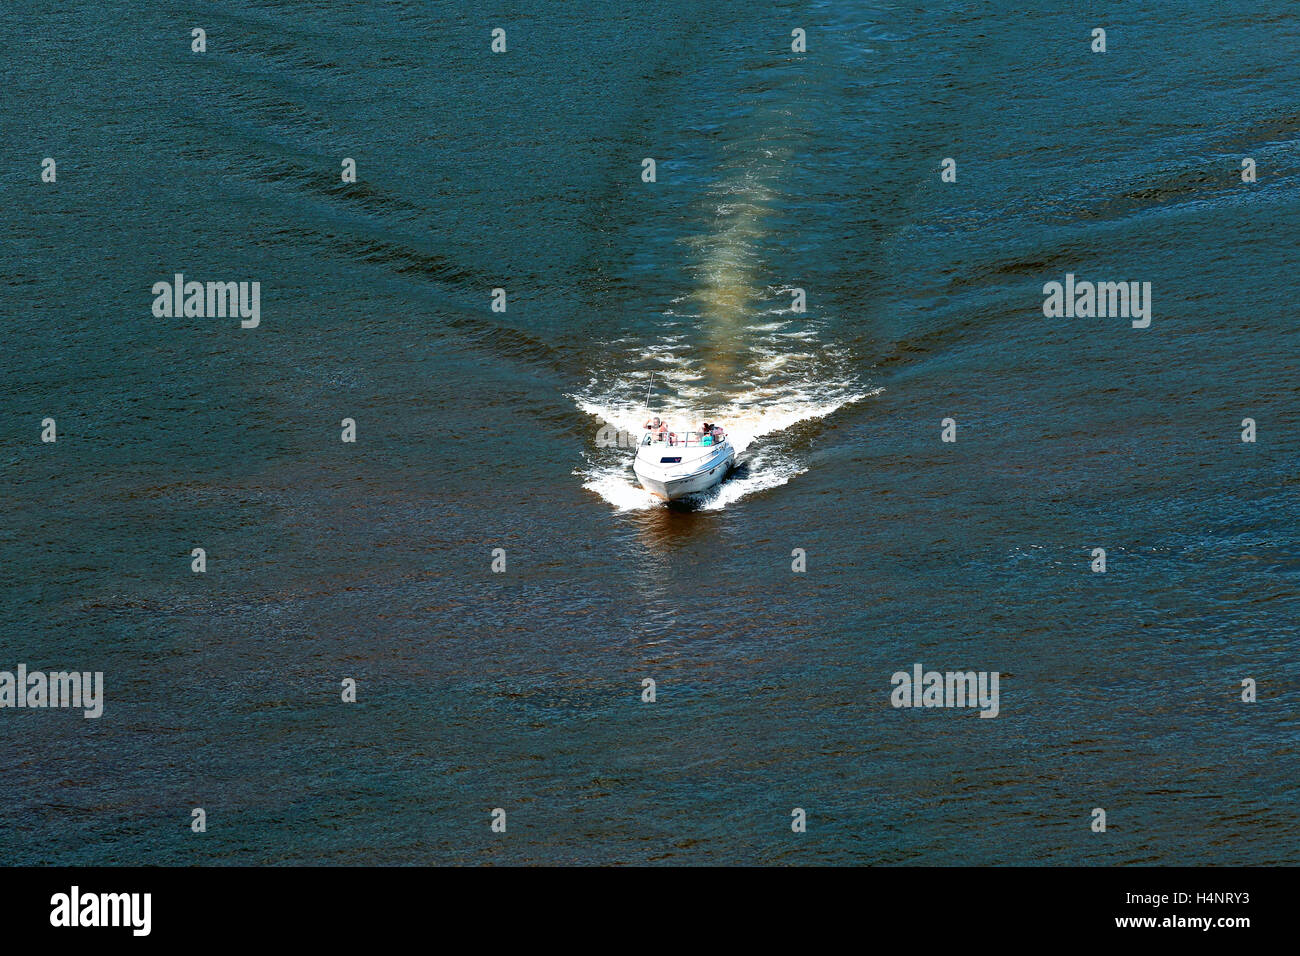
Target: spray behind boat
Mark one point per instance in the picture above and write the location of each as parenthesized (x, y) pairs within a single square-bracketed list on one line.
[(730, 343)]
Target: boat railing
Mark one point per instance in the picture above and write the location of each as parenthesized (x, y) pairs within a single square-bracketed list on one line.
[(684, 439)]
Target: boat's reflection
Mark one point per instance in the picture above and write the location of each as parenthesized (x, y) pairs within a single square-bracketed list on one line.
[(673, 526)]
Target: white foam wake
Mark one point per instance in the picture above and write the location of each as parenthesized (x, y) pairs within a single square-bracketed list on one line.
[(751, 418), (732, 351)]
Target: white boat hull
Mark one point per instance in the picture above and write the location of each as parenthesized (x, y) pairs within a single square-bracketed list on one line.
[(697, 468)]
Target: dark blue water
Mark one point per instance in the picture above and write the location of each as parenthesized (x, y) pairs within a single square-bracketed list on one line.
[(477, 430)]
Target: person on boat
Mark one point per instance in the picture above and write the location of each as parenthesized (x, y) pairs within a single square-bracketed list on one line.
[(658, 428), (706, 434)]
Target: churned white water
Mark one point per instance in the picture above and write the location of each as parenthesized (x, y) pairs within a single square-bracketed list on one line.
[(731, 351), (754, 415)]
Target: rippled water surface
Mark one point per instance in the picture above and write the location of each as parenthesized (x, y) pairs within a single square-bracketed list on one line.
[(477, 429)]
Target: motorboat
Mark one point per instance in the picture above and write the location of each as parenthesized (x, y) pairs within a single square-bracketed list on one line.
[(672, 465)]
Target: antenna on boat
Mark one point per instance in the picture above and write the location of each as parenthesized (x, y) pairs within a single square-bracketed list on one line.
[(647, 391)]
